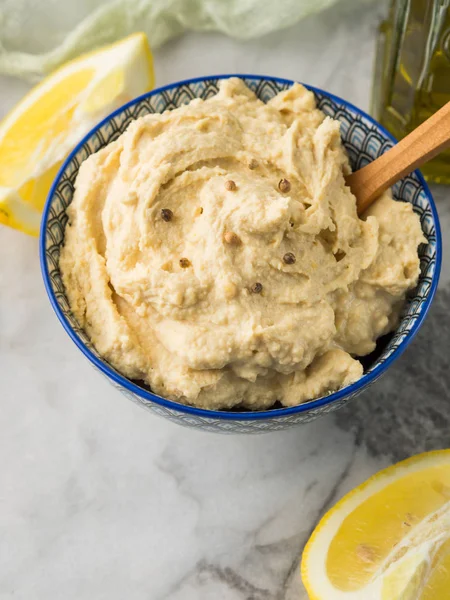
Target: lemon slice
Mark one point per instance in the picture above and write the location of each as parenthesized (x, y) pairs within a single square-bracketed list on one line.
[(388, 539), (40, 131)]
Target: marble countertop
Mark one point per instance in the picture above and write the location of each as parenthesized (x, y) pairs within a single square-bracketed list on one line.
[(100, 500)]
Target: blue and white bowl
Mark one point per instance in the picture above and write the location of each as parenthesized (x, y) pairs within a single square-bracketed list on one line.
[(364, 140)]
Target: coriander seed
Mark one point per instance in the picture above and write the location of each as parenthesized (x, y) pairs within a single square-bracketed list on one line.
[(230, 185)]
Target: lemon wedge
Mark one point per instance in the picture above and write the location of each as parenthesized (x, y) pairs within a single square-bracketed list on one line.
[(388, 539), (40, 131)]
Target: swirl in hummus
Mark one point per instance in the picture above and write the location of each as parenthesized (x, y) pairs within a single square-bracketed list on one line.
[(215, 253)]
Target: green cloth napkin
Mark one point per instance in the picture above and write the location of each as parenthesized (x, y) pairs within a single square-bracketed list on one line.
[(36, 37)]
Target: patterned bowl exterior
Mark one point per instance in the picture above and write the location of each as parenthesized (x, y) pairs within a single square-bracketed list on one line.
[(364, 140)]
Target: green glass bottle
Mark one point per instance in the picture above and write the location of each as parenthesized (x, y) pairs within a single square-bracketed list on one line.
[(412, 71)]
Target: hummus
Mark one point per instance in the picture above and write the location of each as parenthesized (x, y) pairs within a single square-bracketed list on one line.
[(215, 253)]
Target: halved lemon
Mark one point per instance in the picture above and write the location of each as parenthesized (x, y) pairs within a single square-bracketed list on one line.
[(388, 539), (40, 131)]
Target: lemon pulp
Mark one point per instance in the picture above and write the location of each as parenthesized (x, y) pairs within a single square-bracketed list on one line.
[(389, 539), (370, 532), (40, 131)]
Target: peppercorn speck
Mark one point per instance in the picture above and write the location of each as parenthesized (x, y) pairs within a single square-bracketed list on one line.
[(256, 288), (284, 186), (289, 258), (253, 164), (166, 214), (185, 263)]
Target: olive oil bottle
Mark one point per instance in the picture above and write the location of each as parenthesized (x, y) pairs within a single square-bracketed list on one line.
[(412, 71)]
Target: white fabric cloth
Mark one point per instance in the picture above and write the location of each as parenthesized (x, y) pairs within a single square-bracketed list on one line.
[(36, 36)]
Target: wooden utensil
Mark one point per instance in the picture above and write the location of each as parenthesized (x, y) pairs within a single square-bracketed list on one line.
[(417, 148)]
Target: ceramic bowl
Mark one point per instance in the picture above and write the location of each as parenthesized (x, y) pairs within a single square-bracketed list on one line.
[(364, 140)]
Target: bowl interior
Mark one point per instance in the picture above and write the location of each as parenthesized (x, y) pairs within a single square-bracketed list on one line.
[(364, 140)]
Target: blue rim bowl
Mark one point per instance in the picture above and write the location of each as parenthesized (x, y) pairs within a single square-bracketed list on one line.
[(364, 140)]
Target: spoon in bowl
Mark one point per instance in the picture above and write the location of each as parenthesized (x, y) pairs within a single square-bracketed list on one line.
[(414, 150)]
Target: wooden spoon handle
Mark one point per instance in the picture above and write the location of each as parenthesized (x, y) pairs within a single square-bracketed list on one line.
[(420, 146)]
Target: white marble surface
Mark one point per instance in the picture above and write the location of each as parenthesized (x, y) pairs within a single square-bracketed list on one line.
[(100, 500)]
